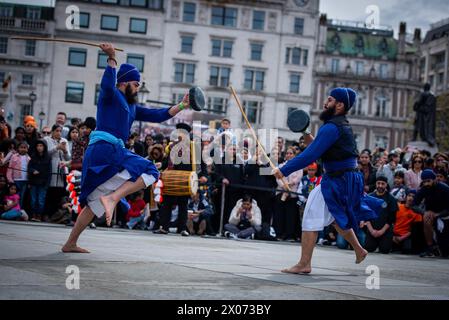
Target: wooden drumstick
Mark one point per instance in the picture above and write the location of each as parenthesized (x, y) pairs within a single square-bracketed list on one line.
[(61, 40), (286, 186), (193, 155)]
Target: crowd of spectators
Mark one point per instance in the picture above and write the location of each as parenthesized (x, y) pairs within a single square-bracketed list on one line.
[(413, 184)]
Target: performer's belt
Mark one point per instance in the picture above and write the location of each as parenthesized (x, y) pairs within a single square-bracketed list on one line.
[(341, 172), (97, 135)]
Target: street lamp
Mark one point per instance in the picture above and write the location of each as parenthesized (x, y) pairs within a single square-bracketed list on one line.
[(142, 96), (41, 118), (32, 96)]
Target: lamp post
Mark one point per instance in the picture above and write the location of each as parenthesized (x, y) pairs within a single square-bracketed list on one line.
[(41, 118), (142, 96)]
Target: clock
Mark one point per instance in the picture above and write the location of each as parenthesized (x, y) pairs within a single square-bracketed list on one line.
[(301, 3)]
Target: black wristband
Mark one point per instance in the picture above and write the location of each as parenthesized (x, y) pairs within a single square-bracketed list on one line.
[(107, 60)]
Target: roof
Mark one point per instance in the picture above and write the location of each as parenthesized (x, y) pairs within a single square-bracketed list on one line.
[(437, 33)]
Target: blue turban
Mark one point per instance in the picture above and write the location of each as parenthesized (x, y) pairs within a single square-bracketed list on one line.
[(128, 72), (409, 191), (428, 174), (345, 95)]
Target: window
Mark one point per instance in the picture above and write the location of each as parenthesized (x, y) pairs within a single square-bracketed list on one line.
[(440, 78), (2, 77), (258, 20), (188, 14), (294, 55), (224, 16), (187, 44), (97, 94), (25, 110), (74, 92), (138, 25), (335, 65), (109, 22), (294, 82), (156, 4), (3, 45), (6, 11), (256, 51), (357, 108), (84, 19), (359, 68), (184, 72), (381, 142), (217, 105), (219, 76), (30, 47), (77, 57), (253, 110), (222, 48), (299, 26), (110, 1), (305, 56), (33, 13), (138, 3), (27, 79), (383, 71), (254, 80), (381, 107), (137, 60), (102, 60)]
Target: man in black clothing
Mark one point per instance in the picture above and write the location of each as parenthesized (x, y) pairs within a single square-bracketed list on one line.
[(435, 197), (380, 231)]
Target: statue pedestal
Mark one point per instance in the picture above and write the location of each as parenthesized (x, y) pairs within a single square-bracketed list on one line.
[(419, 145)]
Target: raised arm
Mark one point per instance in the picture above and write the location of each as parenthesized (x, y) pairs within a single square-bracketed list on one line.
[(326, 137), (109, 79)]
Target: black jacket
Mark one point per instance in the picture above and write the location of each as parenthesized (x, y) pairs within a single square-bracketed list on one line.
[(41, 164)]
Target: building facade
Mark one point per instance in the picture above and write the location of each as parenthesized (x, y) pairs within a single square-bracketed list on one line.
[(434, 63), (133, 25), (381, 70), (25, 66), (264, 49)]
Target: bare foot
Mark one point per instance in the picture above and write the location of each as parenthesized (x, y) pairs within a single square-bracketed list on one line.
[(360, 256), (109, 206), (298, 269), (73, 249)]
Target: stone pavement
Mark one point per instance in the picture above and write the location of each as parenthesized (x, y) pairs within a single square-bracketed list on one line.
[(128, 264)]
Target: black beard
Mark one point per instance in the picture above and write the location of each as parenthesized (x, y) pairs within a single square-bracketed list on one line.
[(327, 114), (381, 190), (131, 97)]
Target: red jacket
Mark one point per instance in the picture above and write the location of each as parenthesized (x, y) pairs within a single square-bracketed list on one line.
[(136, 208)]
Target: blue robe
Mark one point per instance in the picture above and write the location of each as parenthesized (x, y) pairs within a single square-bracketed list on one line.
[(344, 195), (102, 159)]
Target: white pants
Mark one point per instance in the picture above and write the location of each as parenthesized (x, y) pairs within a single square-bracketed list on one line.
[(108, 187), (316, 214)]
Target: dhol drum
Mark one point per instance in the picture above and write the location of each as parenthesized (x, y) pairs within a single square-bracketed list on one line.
[(179, 183)]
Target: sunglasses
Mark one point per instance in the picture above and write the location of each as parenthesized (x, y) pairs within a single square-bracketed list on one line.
[(46, 132)]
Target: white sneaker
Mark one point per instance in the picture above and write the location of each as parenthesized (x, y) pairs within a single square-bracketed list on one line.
[(320, 241), (185, 233), (24, 215)]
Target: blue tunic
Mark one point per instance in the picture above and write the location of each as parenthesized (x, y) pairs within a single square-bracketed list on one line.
[(344, 195), (102, 159)]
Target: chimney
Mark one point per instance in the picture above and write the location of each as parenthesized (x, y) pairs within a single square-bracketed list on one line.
[(401, 41), (417, 38), (322, 33)]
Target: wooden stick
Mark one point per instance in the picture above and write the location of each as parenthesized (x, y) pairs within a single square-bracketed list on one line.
[(60, 40), (286, 186)]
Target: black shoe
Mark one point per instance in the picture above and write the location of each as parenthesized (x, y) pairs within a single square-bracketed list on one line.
[(160, 231)]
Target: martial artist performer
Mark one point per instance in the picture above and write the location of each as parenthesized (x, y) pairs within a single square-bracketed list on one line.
[(340, 198), (111, 172)]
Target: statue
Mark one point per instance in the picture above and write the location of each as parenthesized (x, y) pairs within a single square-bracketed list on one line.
[(425, 108)]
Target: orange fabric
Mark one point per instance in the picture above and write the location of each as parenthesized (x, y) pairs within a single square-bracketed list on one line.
[(404, 219)]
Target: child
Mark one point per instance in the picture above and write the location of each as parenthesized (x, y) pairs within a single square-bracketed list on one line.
[(405, 217), (399, 189), (308, 183), (18, 169), (64, 214), (136, 212), (12, 206), (39, 174)]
